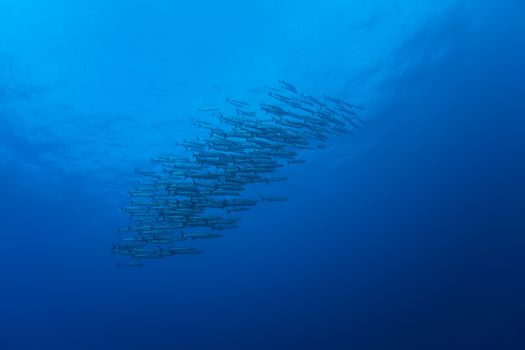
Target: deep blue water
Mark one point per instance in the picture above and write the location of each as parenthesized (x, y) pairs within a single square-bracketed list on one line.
[(407, 234)]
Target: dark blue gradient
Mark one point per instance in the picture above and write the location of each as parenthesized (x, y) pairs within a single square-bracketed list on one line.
[(408, 234)]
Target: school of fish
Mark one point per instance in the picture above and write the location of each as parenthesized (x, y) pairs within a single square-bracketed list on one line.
[(195, 193)]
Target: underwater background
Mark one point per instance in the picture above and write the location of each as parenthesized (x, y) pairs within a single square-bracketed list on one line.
[(408, 233)]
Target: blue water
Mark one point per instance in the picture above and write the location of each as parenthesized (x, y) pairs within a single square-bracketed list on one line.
[(407, 234)]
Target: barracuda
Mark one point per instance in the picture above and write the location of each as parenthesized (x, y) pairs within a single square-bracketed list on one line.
[(182, 251), (288, 86), (237, 209), (194, 236), (235, 102), (242, 147), (220, 227), (276, 179)]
